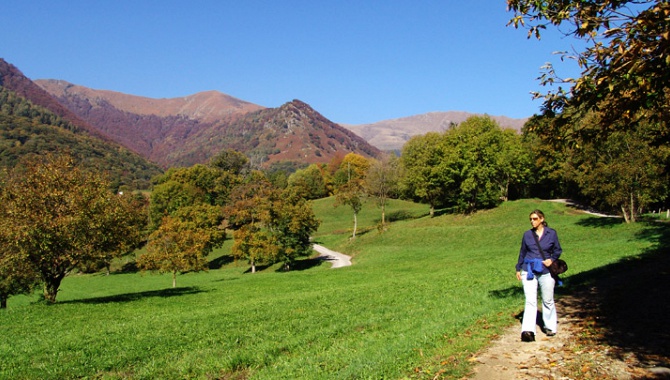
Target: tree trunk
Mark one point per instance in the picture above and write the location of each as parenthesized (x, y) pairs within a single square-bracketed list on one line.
[(432, 211), (632, 208), (383, 215), (51, 286), (3, 301), (625, 213), (174, 278), (253, 266), (355, 225)]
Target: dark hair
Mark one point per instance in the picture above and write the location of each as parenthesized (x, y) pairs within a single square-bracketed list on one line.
[(541, 215)]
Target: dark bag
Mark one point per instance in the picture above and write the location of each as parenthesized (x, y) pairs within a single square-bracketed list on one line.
[(557, 266)]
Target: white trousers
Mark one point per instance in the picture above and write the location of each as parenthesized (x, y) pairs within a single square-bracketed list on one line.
[(549, 316)]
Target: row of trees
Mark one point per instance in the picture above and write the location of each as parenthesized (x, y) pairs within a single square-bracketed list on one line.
[(270, 224), (470, 166)]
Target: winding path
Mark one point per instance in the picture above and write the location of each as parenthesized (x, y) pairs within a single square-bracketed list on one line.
[(339, 260)]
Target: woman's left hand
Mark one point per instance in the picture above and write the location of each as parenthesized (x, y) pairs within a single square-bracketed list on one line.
[(547, 262)]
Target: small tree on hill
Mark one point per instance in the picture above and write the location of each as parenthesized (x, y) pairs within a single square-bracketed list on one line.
[(350, 180), (176, 247), (427, 165), (382, 181)]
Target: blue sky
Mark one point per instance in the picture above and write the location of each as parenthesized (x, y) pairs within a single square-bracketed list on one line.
[(353, 61)]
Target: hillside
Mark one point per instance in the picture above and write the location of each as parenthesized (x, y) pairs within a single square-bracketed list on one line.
[(189, 130), (13, 79), (392, 134), (27, 129), (294, 132), (32, 122)]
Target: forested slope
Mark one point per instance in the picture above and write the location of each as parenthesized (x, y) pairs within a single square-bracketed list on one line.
[(29, 129)]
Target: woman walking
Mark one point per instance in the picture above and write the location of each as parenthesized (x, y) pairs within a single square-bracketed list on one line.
[(539, 248)]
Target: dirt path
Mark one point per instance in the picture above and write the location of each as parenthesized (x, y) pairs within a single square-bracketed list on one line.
[(576, 352), (339, 260), (508, 358)]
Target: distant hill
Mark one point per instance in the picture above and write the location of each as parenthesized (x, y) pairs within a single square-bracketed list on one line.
[(192, 129), (392, 134)]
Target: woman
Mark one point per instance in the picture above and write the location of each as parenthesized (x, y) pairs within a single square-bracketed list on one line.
[(532, 269)]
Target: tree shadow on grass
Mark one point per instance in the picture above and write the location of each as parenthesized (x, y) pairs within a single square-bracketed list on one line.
[(129, 297), (628, 299), (599, 222), (306, 264), (219, 262)]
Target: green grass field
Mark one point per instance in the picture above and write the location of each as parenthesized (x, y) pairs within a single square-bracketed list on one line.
[(420, 298)]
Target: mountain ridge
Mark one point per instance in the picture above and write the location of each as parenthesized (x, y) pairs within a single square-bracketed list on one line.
[(207, 106), (191, 129), (392, 134), (188, 130)]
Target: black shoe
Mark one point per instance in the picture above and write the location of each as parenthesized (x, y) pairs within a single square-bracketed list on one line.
[(550, 333), (528, 336)]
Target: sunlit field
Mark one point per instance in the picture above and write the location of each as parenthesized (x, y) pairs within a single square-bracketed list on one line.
[(420, 297)]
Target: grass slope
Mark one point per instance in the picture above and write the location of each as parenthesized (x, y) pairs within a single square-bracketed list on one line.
[(418, 301)]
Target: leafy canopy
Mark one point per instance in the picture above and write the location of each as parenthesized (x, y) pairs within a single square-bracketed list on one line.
[(54, 215), (626, 65)]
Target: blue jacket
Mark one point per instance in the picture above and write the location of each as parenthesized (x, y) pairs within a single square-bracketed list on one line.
[(529, 251)]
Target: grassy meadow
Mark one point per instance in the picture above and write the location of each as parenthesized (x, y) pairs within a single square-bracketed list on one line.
[(419, 300)]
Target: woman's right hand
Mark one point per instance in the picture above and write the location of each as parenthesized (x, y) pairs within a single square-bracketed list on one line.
[(518, 276)]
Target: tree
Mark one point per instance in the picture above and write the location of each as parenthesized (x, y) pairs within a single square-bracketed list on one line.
[(622, 172), (230, 160), (350, 180), (292, 222), (487, 161), (310, 182), (17, 276), (248, 214), (514, 163), (424, 160), (269, 225), (135, 206), (56, 215), (623, 91), (176, 247), (170, 196), (184, 187), (626, 64), (547, 179), (382, 181)]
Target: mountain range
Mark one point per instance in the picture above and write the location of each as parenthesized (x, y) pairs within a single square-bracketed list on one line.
[(393, 134), (188, 130), (192, 129)]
